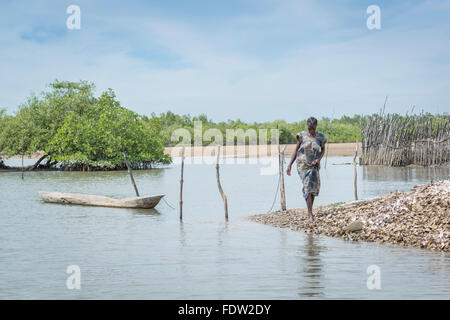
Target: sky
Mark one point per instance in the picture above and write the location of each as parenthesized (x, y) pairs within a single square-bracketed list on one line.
[(257, 60)]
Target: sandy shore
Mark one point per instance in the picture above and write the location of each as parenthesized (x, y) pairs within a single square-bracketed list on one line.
[(35, 155), (333, 150), (419, 218)]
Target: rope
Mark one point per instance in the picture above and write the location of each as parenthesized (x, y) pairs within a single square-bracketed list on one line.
[(168, 203), (279, 179), (276, 193)]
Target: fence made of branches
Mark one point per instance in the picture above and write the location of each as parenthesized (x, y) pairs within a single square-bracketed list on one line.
[(395, 140)]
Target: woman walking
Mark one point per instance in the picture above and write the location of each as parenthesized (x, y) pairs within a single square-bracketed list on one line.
[(309, 151)]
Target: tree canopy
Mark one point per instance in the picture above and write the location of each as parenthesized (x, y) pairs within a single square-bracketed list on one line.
[(75, 129)]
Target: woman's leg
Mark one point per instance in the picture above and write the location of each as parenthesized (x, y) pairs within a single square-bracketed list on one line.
[(309, 204)]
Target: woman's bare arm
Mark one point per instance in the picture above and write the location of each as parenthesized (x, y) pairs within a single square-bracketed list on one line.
[(294, 155)]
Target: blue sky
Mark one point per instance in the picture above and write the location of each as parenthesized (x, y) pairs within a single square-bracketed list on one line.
[(257, 60)]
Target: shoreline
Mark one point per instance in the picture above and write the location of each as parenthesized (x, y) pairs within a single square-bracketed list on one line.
[(333, 149), (339, 149), (418, 218)]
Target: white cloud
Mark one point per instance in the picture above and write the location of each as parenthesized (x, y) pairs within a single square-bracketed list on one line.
[(218, 76)]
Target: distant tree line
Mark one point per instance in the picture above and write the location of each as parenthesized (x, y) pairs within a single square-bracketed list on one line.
[(77, 131), (345, 129)]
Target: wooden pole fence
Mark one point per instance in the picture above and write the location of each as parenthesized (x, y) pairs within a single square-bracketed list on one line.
[(224, 197)]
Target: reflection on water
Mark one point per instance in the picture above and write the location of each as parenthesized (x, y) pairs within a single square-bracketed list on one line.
[(147, 212), (412, 173), (148, 253), (222, 233), (182, 235), (311, 268)]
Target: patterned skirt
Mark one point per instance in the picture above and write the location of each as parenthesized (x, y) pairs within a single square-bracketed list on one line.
[(310, 178)]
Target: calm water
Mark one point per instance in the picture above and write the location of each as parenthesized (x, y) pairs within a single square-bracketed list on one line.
[(127, 254)]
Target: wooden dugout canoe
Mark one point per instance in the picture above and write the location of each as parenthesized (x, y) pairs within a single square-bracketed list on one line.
[(144, 202)]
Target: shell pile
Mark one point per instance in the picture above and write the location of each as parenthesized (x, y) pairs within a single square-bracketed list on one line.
[(420, 218)]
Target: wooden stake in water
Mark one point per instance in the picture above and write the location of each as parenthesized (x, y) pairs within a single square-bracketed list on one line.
[(181, 185), (280, 165), (131, 173), (354, 173), (224, 197)]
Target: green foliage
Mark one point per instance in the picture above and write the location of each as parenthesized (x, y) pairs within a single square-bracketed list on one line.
[(38, 120), (99, 136), (70, 125), (2, 128), (345, 129)]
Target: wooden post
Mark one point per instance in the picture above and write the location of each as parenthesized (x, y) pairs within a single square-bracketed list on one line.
[(131, 173), (280, 165), (354, 173), (22, 157), (224, 197), (181, 184)]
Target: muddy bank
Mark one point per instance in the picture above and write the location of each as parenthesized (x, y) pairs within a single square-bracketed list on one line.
[(419, 218)]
